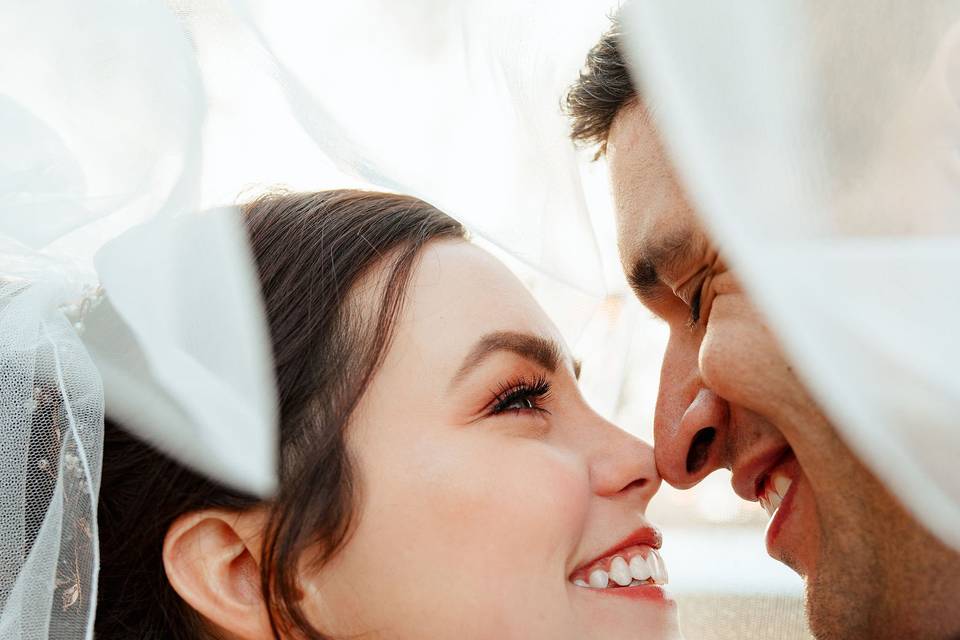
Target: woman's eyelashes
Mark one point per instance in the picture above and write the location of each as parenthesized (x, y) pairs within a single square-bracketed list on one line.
[(521, 395)]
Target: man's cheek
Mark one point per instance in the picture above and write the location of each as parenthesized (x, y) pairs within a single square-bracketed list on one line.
[(741, 361)]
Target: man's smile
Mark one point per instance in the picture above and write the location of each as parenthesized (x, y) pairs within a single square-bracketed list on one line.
[(776, 493)]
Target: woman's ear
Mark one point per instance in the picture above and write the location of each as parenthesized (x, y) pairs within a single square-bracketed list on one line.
[(212, 559)]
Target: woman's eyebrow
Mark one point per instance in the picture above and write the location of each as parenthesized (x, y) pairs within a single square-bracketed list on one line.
[(544, 351)]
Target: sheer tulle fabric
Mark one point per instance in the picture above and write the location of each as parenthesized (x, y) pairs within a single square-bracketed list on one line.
[(455, 102), (51, 432), (819, 139), (115, 295), (820, 142)]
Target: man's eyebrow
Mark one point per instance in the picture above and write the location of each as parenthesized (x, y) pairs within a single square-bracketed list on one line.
[(543, 351), (666, 254)]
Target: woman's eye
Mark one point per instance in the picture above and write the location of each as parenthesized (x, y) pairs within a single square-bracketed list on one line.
[(521, 396), (520, 403)]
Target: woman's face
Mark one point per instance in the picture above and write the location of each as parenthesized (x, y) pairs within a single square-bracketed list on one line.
[(487, 486)]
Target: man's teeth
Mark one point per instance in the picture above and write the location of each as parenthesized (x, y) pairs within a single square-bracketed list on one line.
[(781, 484), (645, 566), (775, 491)]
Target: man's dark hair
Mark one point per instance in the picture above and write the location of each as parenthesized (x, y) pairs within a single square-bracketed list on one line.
[(603, 88)]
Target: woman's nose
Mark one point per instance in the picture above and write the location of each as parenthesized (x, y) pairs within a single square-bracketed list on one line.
[(689, 447), (623, 464)]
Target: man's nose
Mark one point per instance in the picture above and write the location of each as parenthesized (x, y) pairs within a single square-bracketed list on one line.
[(689, 441)]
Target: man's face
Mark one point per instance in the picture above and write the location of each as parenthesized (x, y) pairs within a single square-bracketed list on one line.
[(728, 399)]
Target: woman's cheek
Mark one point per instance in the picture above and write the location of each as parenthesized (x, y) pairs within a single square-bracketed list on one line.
[(537, 489), (484, 521), (503, 489), (742, 362)]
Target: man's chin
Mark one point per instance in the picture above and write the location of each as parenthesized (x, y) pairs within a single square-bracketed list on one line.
[(794, 538), (835, 610)]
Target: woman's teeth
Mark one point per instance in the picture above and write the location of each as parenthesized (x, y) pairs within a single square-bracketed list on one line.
[(640, 570), (629, 568), (775, 490), (599, 579), (620, 572)]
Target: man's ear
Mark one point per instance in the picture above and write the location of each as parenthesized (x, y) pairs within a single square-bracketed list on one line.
[(212, 560)]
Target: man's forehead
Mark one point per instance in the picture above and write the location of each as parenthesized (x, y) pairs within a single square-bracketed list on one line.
[(655, 223), (635, 160), (629, 128), (639, 165)]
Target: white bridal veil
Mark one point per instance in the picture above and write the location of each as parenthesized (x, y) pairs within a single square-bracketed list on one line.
[(115, 293), (819, 139)]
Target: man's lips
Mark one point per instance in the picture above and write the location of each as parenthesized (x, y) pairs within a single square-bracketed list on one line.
[(750, 473), (771, 476), (777, 496)]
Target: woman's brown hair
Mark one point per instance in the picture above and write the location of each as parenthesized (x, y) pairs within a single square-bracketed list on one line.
[(310, 249)]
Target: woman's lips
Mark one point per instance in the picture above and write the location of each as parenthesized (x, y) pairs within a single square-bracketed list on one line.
[(644, 536), (646, 592), (640, 578), (632, 566)]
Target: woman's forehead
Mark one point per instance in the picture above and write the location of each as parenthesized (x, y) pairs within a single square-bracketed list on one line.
[(458, 293)]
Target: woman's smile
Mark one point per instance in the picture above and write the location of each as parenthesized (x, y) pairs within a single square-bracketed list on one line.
[(507, 461)]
